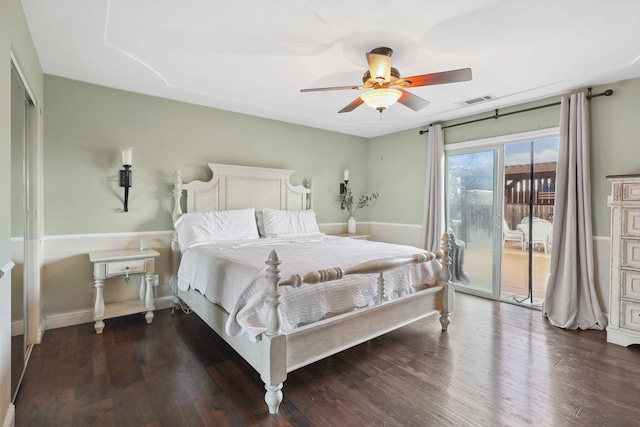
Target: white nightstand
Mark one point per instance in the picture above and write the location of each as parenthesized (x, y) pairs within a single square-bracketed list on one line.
[(353, 235), (123, 263)]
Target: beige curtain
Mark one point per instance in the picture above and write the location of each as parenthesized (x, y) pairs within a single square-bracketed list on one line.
[(571, 301), (433, 221)]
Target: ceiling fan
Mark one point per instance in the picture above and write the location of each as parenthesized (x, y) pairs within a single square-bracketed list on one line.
[(386, 86)]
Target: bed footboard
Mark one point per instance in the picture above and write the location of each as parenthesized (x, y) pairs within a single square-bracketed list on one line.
[(316, 341)]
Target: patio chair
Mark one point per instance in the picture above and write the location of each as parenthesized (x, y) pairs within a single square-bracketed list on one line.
[(525, 220), (512, 235), (540, 234)]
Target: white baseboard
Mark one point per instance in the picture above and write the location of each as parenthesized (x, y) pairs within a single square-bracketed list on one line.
[(10, 419), (17, 328), (61, 320), (40, 331)]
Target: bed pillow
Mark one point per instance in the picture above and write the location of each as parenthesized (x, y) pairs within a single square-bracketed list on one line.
[(289, 223), (196, 228)]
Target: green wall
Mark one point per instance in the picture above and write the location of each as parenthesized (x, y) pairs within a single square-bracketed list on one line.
[(85, 124), (397, 171), (397, 165)]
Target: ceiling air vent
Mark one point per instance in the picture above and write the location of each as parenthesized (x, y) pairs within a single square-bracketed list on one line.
[(478, 100)]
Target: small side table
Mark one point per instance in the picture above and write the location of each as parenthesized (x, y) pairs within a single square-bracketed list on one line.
[(108, 264)]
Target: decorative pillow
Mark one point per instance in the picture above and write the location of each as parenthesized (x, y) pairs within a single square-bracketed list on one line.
[(289, 223), (197, 228)]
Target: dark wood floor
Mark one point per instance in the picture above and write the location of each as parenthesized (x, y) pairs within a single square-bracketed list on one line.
[(499, 365)]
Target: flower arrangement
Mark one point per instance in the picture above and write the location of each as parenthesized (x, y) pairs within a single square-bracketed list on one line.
[(347, 202)]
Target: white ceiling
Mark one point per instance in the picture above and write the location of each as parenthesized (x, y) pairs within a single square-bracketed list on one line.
[(254, 56)]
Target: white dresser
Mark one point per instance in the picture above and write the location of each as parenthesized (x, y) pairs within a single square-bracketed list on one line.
[(624, 278)]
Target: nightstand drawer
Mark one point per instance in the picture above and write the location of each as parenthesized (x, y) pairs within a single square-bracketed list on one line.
[(630, 315), (124, 267), (630, 284)]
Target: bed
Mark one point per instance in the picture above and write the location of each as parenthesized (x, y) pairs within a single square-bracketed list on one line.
[(295, 295)]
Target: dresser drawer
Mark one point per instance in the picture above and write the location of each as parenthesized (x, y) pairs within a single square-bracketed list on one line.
[(630, 281), (122, 267), (630, 253), (630, 315), (631, 222), (631, 191)]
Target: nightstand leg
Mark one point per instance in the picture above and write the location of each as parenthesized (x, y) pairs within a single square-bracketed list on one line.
[(148, 299), (98, 309), (143, 287)]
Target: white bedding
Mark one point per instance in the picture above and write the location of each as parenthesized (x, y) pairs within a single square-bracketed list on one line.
[(232, 274)]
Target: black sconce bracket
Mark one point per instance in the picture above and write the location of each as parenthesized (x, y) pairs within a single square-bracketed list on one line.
[(126, 182), (344, 186)]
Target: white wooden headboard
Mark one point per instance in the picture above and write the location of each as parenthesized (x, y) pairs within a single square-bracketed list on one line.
[(238, 187)]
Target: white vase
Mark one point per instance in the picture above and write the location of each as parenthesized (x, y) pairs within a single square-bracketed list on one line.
[(351, 225)]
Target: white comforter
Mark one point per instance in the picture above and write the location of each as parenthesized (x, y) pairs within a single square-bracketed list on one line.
[(232, 274)]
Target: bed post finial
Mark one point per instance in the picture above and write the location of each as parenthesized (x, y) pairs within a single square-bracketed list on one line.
[(447, 297)]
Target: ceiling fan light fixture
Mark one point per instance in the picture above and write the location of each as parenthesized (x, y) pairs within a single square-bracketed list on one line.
[(381, 99)]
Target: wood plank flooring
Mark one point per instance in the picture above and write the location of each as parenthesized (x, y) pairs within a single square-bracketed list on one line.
[(499, 365)]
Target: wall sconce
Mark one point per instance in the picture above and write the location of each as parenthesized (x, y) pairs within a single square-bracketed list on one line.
[(344, 186), (125, 174)]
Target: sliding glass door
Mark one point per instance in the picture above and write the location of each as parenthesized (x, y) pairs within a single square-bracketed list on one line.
[(500, 196), (529, 195), (472, 184)]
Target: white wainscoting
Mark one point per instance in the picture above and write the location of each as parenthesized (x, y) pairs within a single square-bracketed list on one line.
[(602, 262), (67, 272), (402, 234)]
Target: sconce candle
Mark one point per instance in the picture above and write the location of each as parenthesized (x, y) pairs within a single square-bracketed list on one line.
[(127, 155), (346, 175), (125, 174)]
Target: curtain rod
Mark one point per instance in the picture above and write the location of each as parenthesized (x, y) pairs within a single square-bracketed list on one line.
[(496, 116)]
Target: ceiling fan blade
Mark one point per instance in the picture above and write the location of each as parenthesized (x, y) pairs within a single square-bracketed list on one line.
[(412, 101), (355, 104), (379, 61), (320, 89), (461, 75)]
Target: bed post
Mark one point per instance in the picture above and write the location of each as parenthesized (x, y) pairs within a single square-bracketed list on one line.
[(274, 370), (310, 196), (273, 294), (177, 211), (447, 296), (380, 291), (177, 195)]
